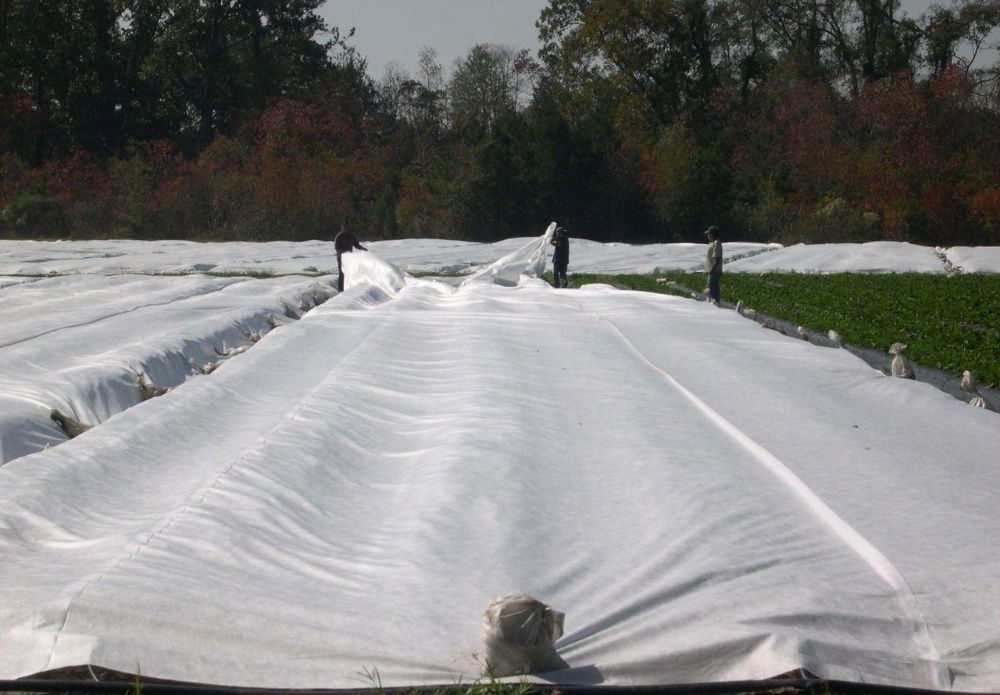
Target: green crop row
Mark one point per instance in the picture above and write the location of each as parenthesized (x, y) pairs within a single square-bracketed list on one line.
[(951, 323)]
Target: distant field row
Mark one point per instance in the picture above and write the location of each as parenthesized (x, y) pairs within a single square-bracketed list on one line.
[(951, 323)]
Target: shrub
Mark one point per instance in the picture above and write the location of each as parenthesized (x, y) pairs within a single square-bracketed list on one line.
[(33, 215), (837, 221), (986, 211)]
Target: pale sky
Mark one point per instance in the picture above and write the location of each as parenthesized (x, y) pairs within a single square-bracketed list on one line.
[(395, 30)]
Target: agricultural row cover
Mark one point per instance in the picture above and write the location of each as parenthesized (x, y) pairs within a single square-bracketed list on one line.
[(704, 499), (37, 258)]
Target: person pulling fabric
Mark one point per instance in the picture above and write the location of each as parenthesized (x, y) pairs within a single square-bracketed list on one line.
[(344, 242), (560, 257)]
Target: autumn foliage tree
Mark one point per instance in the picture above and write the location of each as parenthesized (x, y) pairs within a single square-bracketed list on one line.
[(827, 120)]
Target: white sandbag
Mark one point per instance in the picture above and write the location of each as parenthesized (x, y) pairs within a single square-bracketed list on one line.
[(969, 383), (900, 367), (980, 402), (519, 634)]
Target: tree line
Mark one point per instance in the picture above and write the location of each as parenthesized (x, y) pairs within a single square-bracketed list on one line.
[(647, 120)]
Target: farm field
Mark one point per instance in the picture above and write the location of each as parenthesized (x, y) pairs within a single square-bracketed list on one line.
[(362, 472)]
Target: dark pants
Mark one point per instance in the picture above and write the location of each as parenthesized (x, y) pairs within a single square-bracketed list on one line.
[(559, 271), (713, 286), (340, 275)]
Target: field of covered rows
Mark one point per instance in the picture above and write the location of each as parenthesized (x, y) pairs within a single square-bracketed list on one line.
[(218, 469)]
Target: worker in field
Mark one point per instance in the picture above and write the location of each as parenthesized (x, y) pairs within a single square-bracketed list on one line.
[(560, 257), (344, 242), (713, 263)]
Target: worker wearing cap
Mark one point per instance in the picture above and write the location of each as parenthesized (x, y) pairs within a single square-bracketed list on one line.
[(713, 263)]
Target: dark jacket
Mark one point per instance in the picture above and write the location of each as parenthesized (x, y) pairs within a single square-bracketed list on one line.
[(561, 255), (346, 241)]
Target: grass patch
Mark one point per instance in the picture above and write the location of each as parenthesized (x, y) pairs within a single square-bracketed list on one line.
[(487, 685), (951, 323)]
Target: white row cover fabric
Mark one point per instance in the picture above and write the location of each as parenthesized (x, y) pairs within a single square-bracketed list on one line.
[(974, 259), (362, 269), (705, 500), (526, 261), (79, 343), (870, 257), (413, 255), (440, 255)]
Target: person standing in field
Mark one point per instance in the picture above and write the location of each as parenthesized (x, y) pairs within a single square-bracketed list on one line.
[(560, 257), (713, 263), (344, 242)]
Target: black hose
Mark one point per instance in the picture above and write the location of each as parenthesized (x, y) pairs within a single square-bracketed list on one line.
[(814, 686)]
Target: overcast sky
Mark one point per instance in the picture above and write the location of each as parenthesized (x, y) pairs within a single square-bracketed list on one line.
[(395, 30)]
